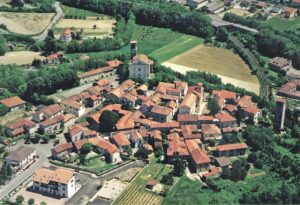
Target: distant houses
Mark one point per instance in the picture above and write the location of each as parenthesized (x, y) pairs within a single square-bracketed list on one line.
[(13, 103), (21, 158)]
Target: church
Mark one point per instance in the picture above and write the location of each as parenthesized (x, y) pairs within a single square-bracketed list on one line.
[(140, 66)]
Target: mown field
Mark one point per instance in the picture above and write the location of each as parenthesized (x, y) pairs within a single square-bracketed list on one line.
[(176, 47), (237, 11), (220, 61), (20, 57), (25, 23), (284, 24)]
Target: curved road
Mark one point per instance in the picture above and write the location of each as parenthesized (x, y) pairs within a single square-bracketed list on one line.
[(59, 13)]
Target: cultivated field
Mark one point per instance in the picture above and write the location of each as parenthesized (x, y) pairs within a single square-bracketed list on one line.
[(20, 57), (135, 195), (25, 23), (4, 3), (284, 24), (229, 66), (104, 27)]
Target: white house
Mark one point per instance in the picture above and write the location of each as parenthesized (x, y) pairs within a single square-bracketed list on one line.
[(73, 107), (21, 157), (140, 67), (58, 183)]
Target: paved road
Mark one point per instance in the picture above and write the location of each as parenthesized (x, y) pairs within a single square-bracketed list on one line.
[(59, 13), (43, 150)]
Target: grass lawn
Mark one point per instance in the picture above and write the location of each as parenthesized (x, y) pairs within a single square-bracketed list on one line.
[(255, 170), (152, 38), (177, 47), (97, 164), (284, 24)]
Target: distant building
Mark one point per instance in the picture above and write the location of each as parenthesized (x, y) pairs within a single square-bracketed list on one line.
[(66, 36), (21, 158), (58, 183), (279, 114), (20, 127), (73, 107), (290, 12), (230, 150), (13, 103), (188, 105), (54, 58), (290, 89), (296, 3), (196, 4)]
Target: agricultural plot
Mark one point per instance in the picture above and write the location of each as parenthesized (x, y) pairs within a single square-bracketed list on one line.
[(71, 12), (4, 3), (136, 195), (25, 23), (20, 57), (224, 63), (237, 11), (284, 24)]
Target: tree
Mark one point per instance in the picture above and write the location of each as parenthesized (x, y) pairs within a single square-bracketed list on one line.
[(3, 47), (3, 174), (50, 46), (36, 63), (45, 139), (50, 34), (167, 179), (86, 148), (17, 3), (213, 185), (3, 109), (142, 153), (178, 167), (108, 120), (31, 201), (222, 35), (20, 199), (213, 106), (43, 203)]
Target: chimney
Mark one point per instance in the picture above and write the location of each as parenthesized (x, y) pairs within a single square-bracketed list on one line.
[(133, 47)]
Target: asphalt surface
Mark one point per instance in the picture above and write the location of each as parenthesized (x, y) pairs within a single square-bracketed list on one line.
[(43, 150), (59, 13)]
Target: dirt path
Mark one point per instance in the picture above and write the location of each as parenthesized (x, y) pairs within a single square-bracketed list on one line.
[(239, 83)]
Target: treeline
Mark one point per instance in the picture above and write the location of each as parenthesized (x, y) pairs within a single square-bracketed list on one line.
[(159, 14), (123, 34), (42, 6), (3, 47), (269, 42)]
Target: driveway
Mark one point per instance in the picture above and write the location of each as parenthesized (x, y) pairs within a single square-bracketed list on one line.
[(43, 150), (59, 13)]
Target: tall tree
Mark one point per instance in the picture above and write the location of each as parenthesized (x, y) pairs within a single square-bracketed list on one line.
[(108, 120), (3, 47), (213, 106)]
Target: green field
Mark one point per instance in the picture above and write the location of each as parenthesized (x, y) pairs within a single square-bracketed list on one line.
[(284, 24), (177, 47), (71, 11)]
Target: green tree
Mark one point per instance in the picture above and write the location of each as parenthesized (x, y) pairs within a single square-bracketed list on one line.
[(19, 199), (3, 47), (17, 3), (178, 167), (45, 139), (50, 34), (108, 120), (213, 106), (142, 153), (43, 203), (31, 201), (3, 109), (167, 179), (86, 148), (50, 46)]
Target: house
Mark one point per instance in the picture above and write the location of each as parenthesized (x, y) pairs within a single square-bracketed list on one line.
[(47, 112), (141, 67), (188, 105), (229, 2), (177, 148), (198, 157), (156, 138), (290, 12), (21, 158), (66, 36), (296, 3), (161, 114), (251, 113), (52, 125), (73, 107), (213, 172), (92, 101), (261, 5), (60, 151), (196, 4), (226, 120), (121, 141), (279, 64), (276, 9), (13, 103), (136, 138), (230, 150), (290, 89), (96, 74), (190, 132), (54, 58), (164, 126), (210, 132), (223, 96), (151, 183), (223, 162), (57, 183), (22, 126)]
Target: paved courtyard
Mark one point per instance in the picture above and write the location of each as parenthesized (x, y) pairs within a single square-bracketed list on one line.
[(112, 189)]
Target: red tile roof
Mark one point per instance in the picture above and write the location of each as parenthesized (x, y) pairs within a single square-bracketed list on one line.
[(95, 72), (165, 125), (21, 123), (225, 117), (63, 147), (52, 121), (208, 129), (189, 100), (114, 63), (121, 139), (161, 110), (228, 147), (224, 94), (12, 102)]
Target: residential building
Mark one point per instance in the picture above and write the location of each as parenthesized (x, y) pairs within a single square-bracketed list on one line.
[(188, 105), (57, 183), (73, 107), (196, 4), (230, 150), (52, 125), (296, 3), (121, 141), (66, 36), (161, 114), (210, 132), (279, 64), (21, 158), (22, 126), (290, 89), (279, 113), (226, 120), (47, 112), (60, 151), (54, 58), (290, 12), (13, 103), (198, 157), (141, 67)]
